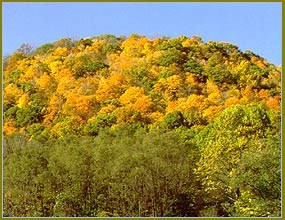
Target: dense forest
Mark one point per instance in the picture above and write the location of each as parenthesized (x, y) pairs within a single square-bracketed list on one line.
[(132, 126)]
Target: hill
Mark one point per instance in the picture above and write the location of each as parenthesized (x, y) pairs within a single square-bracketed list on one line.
[(128, 126)]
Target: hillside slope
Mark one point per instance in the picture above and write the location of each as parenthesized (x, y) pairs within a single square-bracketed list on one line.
[(118, 117)]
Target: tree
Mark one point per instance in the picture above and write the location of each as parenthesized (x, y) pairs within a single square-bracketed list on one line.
[(223, 144), (112, 87), (27, 181), (26, 49), (258, 178), (171, 56), (171, 87)]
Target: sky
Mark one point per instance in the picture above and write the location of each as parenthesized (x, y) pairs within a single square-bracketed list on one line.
[(250, 26)]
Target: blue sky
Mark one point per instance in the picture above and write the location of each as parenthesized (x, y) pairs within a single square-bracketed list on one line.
[(252, 26)]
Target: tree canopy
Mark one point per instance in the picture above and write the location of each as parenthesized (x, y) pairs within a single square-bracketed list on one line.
[(133, 126)]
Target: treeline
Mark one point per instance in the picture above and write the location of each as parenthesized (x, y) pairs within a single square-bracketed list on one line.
[(231, 167), (117, 126)]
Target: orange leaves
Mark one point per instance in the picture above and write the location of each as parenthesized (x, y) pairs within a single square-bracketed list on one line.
[(264, 94), (87, 86), (192, 102), (29, 68), (170, 86), (55, 66), (273, 102), (211, 112), (260, 63), (190, 79), (54, 107), (231, 101), (65, 85), (12, 93), (134, 45), (247, 95), (135, 98), (79, 105), (131, 95), (137, 51), (9, 128), (136, 80), (214, 93), (189, 42), (156, 116), (173, 105), (112, 87), (44, 81), (96, 46), (136, 106)]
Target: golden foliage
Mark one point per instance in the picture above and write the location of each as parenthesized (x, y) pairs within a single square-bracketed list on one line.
[(273, 102), (211, 112), (23, 101), (132, 84), (12, 93), (231, 101), (9, 127), (112, 87), (135, 98)]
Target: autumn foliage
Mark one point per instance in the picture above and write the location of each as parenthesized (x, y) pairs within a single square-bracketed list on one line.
[(183, 85)]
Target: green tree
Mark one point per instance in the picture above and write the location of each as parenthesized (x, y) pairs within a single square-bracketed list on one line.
[(258, 179), (223, 144), (26, 180)]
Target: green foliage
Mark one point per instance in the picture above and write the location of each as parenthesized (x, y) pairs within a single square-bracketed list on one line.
[(193, 66), (220, 156), (15, 75), (101, 122), (27, 167), (171, 43), (171, 56), (43, 67), (32, 113), (265, 166), (173, 120), (27, 87), (193, 117), (35, 129), (112, 43), (44, 49), (64, 42), (130, 126), (28, 115), (219, 74), (86, 65), (109, 175), (10, 113), (88, 68)]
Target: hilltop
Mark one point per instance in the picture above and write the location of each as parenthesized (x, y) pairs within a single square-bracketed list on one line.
[(81, 86)]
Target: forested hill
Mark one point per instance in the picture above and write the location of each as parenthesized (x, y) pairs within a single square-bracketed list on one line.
[(128, 126)]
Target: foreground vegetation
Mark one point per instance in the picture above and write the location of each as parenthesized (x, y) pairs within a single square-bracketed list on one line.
[(116, 126)]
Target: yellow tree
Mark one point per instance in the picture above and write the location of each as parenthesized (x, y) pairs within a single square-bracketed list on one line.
[(170, 87), (112, 87), (273, 102), (135, 98), (214, 93), (12, 93), (136, 106), (79, 105), (9, 128)]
